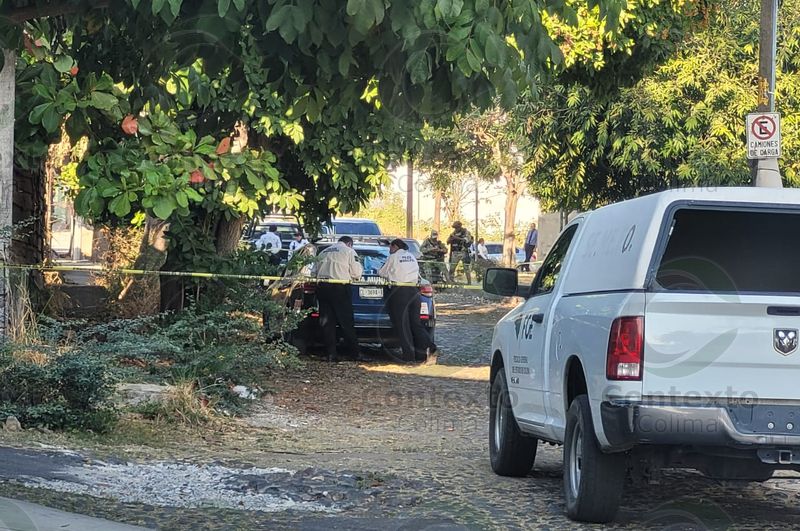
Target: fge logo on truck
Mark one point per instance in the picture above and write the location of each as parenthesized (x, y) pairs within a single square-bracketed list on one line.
[(660, 332)]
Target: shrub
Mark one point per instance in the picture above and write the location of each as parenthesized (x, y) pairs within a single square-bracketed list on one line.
[(67, 391)]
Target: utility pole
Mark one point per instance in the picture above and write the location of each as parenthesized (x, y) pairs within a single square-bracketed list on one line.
[(410, 199), (765, 171), (476, 215)]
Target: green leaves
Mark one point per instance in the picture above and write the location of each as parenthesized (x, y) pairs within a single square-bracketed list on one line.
[(63, 63), (278, 17), (103, 100), (448, 9), (164, 207), (175, 7), (419, 67), (51, 119), (222, 7), (355, 6), (120, 206), (157, 6), (365, 13)]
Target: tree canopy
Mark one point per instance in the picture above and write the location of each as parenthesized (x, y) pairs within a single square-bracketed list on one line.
[(320, 95), (494, 143), (681, 125)]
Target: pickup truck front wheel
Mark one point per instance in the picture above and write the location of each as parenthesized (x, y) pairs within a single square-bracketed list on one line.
[(511, 452), (593, 480)]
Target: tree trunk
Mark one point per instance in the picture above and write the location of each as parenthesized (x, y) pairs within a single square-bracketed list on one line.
[(7, 84), (140, 293), (437, 210), (509, 230), (228, 234)]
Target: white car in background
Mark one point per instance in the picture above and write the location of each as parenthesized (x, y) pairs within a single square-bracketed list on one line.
[(496, 253)]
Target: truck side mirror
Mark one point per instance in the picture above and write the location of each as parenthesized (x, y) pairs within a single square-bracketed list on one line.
[(501, 281)]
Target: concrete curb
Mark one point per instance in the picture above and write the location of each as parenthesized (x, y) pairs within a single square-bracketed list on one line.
[(18, 515)]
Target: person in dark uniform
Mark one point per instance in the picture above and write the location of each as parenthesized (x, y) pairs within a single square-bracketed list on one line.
[(404, 303), (339, 262)]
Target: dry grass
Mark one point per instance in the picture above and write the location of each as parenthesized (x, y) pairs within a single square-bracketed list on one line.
[(185, 403), (22, 318), (22, 329), (131, 296)]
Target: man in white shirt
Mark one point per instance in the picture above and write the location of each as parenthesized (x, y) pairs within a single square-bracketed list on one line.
[(297, 243), (482, 260), (404, 303), (479, 250), (338, 262), (271, 243)]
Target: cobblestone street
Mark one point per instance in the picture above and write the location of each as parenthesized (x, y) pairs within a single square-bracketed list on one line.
[(366, 446)]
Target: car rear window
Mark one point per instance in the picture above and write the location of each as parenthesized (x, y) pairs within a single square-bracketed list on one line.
[(357, 227), (413, 247), (285, 231), (494, 248), (373, 260), (732, 251)]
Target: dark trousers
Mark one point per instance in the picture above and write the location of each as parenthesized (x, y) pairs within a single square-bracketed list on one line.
[(403, 306), (336, 308), (529, 249)]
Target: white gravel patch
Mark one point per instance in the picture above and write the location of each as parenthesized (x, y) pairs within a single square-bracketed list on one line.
[(171, 485)]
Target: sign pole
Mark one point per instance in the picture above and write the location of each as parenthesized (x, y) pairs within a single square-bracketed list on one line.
[(766, 172), (410, 198)]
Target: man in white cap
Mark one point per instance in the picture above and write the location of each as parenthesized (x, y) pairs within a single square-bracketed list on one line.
[(297, 243)]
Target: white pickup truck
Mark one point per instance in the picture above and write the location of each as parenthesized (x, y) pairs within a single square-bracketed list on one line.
[(660, 332)]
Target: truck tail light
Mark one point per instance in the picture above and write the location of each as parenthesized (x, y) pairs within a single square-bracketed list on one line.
[(625, 349), (426, 290)]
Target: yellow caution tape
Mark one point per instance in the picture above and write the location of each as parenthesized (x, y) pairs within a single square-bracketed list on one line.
[(195, 274)]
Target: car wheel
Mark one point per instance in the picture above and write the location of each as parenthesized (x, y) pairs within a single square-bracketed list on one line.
[(593, 480), (511, 453)]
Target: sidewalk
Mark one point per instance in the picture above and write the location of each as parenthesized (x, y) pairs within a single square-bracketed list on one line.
[(23, 516)]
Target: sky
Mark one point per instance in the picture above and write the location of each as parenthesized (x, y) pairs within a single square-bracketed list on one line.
[(491, 199)]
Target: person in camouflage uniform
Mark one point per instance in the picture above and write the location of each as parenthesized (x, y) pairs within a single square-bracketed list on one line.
[(433, 252), (460, 241)]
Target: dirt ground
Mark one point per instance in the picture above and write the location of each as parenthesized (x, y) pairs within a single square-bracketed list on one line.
[(415, 439)]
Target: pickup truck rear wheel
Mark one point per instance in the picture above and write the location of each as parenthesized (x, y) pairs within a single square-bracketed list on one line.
[(593, 480), (511, 452)]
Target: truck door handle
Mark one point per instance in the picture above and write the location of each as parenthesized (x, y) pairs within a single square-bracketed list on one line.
[(783, 310), (537, 317)]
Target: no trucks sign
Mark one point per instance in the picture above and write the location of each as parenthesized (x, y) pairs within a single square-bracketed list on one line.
[(763, 135)]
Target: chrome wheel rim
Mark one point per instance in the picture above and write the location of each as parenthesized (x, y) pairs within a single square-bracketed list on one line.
[(576, 460), (499, 419)]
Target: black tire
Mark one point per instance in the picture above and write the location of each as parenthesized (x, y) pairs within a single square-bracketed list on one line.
[(511, 453), (593, 480)]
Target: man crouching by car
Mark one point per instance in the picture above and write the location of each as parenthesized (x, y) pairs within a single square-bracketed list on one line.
[(339, 262), (404, 302)]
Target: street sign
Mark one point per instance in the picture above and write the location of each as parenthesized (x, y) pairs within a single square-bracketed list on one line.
[(763, 135)]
